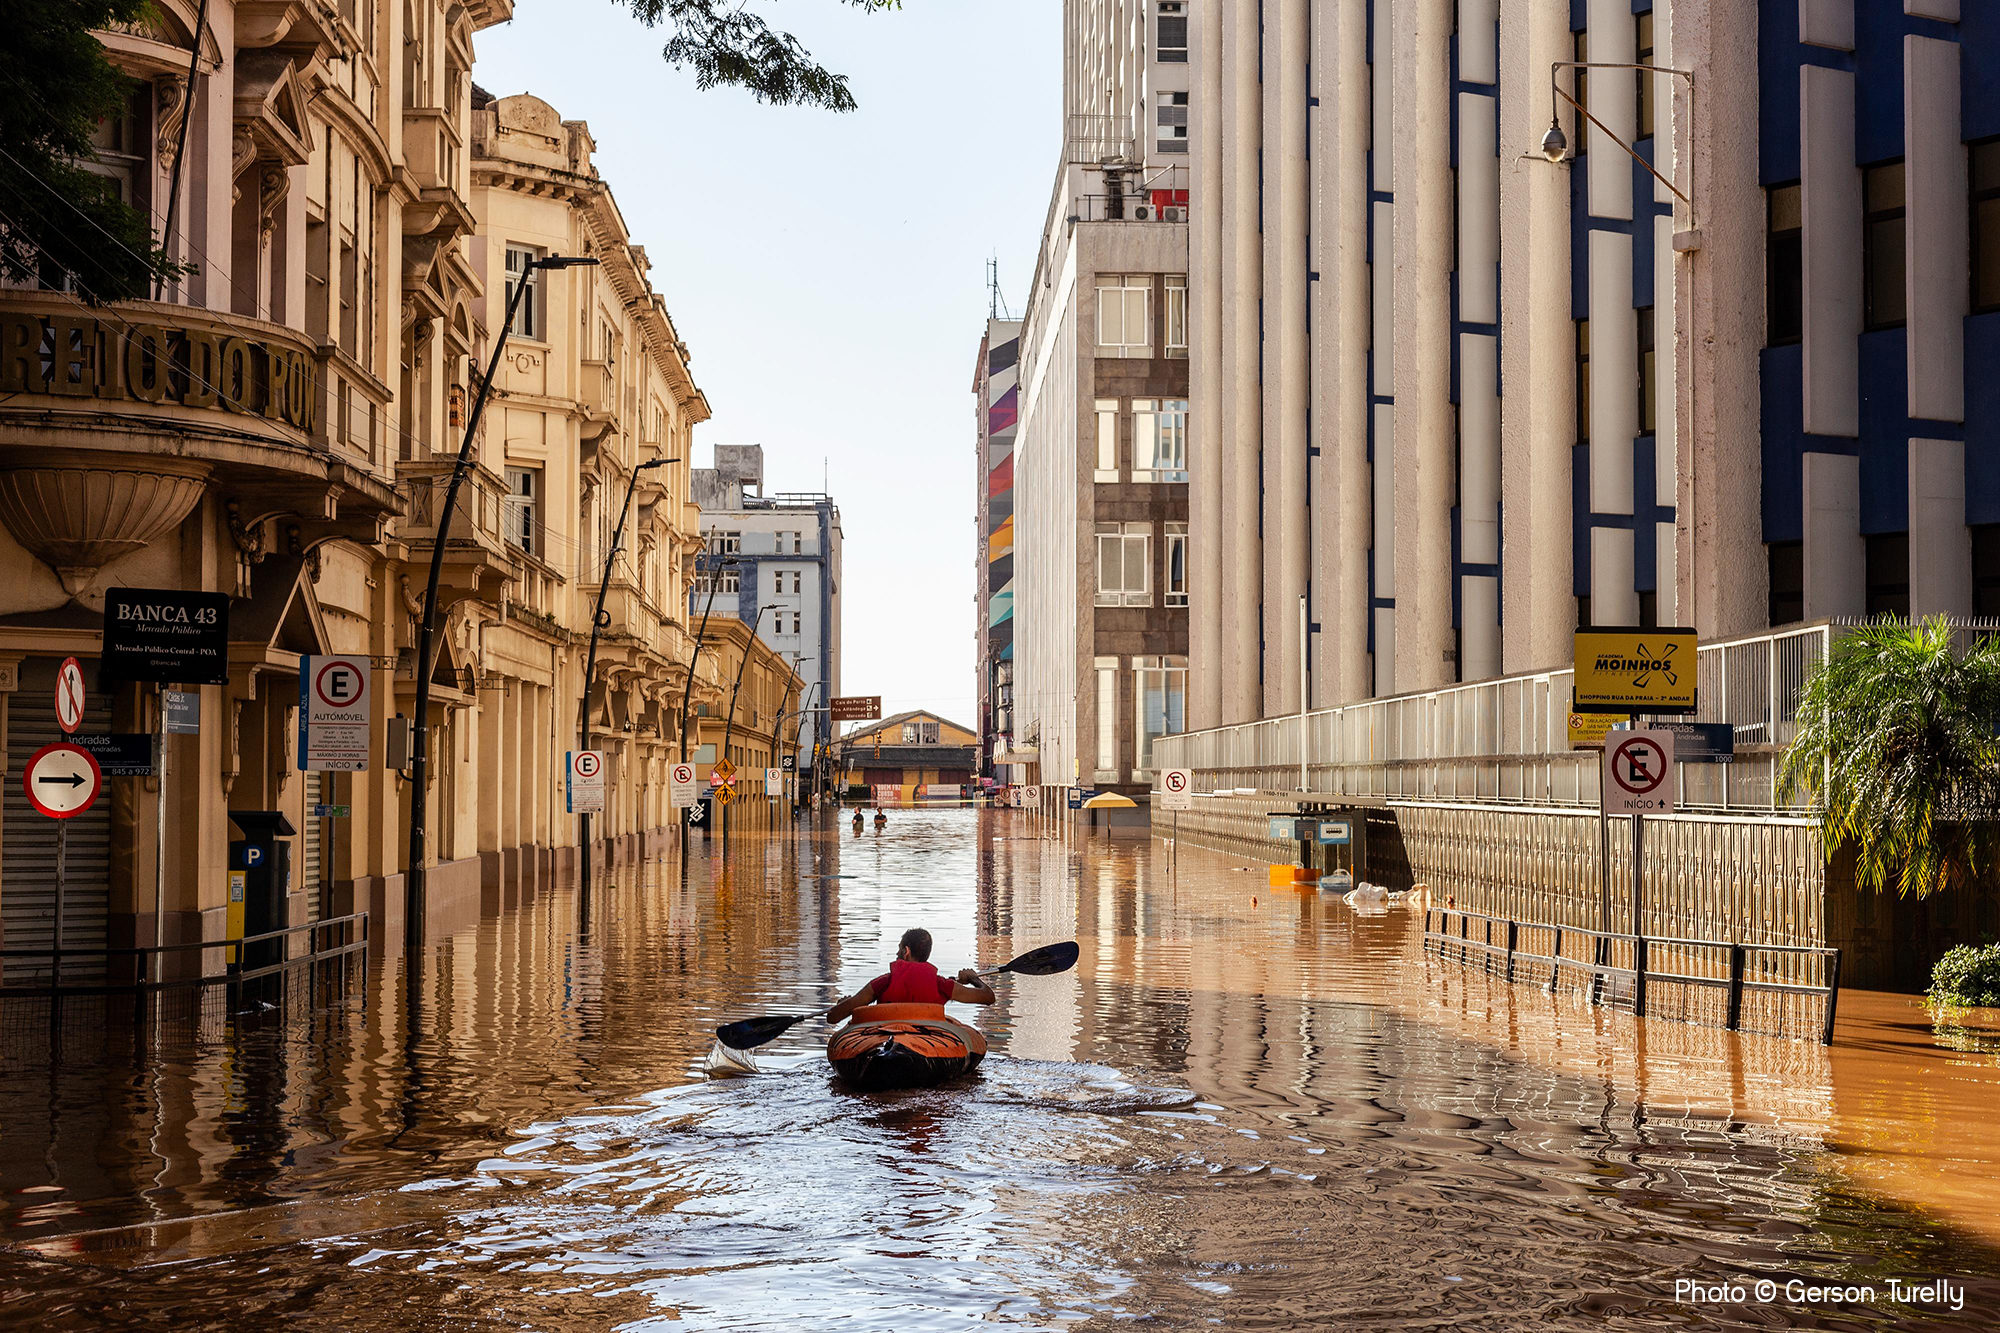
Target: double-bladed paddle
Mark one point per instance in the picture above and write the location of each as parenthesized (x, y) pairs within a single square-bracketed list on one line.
[(752, 1032)]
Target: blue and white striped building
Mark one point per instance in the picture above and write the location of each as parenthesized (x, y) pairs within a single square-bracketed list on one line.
[(1461, 399)]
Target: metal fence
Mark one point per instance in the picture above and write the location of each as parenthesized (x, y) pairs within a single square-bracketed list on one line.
[(1784, 990), (1507, 739), (132, 970)]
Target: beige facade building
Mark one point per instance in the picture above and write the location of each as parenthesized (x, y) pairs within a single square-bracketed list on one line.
[(278, 428), (1100, 463)]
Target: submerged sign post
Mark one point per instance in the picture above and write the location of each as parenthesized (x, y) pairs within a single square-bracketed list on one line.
[(333, 714), (583, 782), (681, 787), (1638, 780)]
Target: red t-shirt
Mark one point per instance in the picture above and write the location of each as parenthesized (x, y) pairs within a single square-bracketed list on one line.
[(879, 987)]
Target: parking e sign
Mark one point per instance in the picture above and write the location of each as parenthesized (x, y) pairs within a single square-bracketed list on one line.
[(333, 714)]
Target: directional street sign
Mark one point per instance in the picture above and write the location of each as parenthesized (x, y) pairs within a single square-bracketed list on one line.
[(62, 780), (857, 708), (69, 696), (1177, 789), (333, 714), (1639, 773), (183, 712), (681, 787), (584, 782)]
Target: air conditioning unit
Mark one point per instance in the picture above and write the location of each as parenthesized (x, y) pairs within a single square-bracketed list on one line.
[(1173, 214), (1144, 212)]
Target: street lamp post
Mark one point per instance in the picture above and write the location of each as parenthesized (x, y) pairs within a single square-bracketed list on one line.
[(414, 886), (597, 621), (729, 727)]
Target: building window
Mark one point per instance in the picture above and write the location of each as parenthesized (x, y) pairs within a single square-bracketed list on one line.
[(1159, 439), (1124, 564), (1889, 574), (1172, 46), (1124, 314), (1646, 81), (731, 580), (528, 315), (1177, 330), (1986, 225), (786, 580), (1583, 381), (524, 489), (1176, 565), (1788, 582), (1882, 251), (1173, 122), (1986, 569), (789, 543), (1784, 266), (795, 624), (723, 541), (1649, 384), (1107, 440), (1107, 720), (1160, 703)]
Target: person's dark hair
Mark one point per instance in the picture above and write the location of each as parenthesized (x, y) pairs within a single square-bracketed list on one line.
[(918, 942)]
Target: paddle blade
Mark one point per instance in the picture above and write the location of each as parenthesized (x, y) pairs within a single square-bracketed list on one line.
[(1045, 961), (755, 1031)]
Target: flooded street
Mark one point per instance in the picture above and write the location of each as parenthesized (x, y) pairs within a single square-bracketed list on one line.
[(1246, 1107)]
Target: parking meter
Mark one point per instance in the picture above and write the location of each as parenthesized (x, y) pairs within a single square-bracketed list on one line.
[(260, 869)]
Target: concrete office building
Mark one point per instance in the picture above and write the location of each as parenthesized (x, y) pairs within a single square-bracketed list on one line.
[(775, 563), (996, 391), (1100, 460), (1464, 399)]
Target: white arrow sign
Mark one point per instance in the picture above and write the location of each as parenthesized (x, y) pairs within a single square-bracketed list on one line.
[(62, 780)]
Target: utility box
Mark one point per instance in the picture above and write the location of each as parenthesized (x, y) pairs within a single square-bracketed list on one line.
[(263, 859)]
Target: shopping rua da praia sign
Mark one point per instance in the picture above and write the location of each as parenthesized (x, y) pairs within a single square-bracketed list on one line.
[(81, 357)]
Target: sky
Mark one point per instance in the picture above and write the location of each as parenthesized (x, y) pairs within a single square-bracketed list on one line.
[(828, 272)]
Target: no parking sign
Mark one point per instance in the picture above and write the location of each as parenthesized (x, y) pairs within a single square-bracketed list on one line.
[(1638, 773)]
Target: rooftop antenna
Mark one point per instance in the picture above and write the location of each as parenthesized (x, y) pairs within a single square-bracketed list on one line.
[(996, 304)]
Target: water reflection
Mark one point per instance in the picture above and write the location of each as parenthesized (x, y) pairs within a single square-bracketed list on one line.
[(1247, 1104)]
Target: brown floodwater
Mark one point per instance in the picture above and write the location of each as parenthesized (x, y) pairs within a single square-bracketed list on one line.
[(1247, 1107)]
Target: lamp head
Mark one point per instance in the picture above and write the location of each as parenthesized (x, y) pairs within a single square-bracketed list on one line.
[(653, 463), (1555, 144), (563, 261)]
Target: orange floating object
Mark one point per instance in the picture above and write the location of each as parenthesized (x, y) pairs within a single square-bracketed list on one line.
[(903, 1046)]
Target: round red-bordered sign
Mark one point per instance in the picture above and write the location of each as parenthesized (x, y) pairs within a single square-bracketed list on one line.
[(1621, 765), (320, 687), (682, 774), (69, 695), (67, 774), (1176, 781), (587, 763)]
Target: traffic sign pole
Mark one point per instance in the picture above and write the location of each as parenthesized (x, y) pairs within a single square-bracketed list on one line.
[(158, 970)]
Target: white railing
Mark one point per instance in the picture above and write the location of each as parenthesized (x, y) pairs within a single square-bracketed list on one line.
[(1507, 739)]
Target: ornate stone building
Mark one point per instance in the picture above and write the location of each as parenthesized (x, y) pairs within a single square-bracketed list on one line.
[(278, 427)]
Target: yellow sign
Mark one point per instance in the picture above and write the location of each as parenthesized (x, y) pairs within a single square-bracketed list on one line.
[(1587, 730), (725, 794), (1635, 671), (724, 771)]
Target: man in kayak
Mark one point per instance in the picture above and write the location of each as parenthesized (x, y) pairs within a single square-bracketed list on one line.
[(912, 980)]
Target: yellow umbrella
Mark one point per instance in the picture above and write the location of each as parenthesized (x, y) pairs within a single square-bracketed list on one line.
[(1110, 800)]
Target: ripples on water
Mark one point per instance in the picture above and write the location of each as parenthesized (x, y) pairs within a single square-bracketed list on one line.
[(1262, 1117)]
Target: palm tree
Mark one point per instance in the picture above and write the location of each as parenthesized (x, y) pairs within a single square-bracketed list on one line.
[(1897, 745)]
